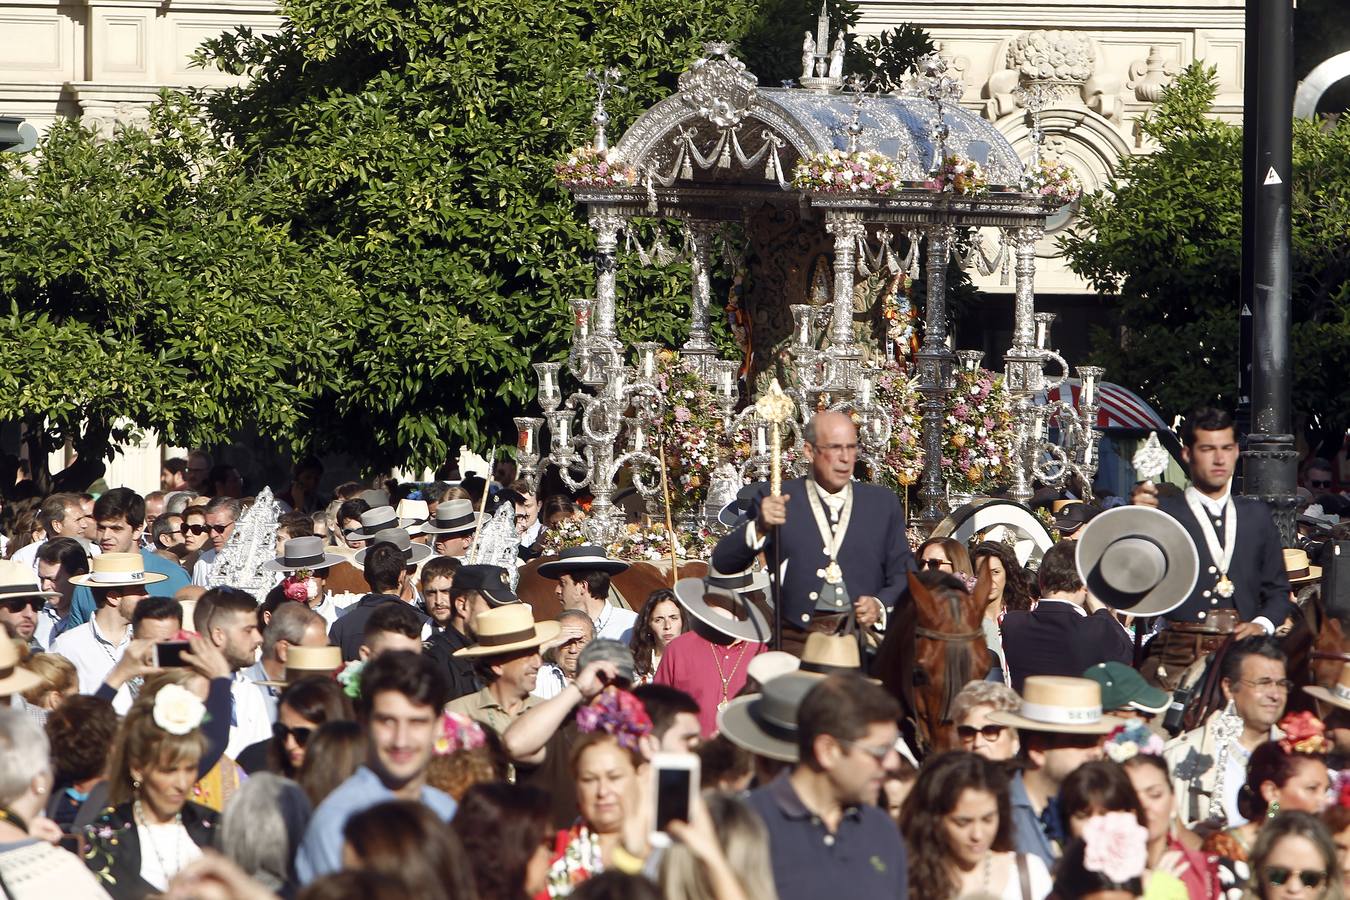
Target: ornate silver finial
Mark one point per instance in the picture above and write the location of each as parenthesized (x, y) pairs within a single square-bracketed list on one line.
[(858, 87), (933, 83), (1035, 97), (1150, 460), (605, 81), (823, 65), (719, 86)]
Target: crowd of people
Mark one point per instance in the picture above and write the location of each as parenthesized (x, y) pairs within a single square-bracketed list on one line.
[(386, 716)]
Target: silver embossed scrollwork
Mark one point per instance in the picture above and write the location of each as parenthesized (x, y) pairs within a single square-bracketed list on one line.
[(848, 230), (935, 374), (1023, 365), (700, 233), (606, 223)]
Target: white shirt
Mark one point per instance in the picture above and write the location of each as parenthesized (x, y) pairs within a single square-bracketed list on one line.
[(28, 553), (165, 850), (328, 609), (549, 683), (47, 621), (204, 567), (615, 624), (249, 721), (91, 652), (1037, 874), (1215, 507), (1078, 609)]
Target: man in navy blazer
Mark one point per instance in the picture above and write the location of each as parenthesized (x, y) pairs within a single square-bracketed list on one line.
[(1060, 636), (873, 555)]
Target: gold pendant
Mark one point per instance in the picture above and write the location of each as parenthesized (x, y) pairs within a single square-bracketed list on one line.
[(834, 574)]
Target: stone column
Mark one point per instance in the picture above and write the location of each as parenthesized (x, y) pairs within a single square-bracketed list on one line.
[(847, 228), (935, 375), (1023, 372)]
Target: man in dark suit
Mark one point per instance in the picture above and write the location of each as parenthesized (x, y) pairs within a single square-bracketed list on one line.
[(1241, 561), (843, 544), (1060, 636)]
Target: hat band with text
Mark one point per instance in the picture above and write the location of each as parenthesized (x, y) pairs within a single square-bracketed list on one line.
[(1061, 715), (117, 576), (20, 589), (510, 637)]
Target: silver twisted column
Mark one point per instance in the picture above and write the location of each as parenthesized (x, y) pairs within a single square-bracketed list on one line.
[(935, 374)]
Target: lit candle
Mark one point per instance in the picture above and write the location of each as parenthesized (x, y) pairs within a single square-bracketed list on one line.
[(637, 438), (726, 376), (561, 435), (762, 440), (865, 390)]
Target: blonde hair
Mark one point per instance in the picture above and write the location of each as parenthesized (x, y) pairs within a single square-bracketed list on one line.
[(57, 674), (745, 843), (141, 743)]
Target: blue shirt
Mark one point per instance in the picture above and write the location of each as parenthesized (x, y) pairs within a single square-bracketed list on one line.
[(82, 604), (865, 857), (321, 850), (1028, 831)]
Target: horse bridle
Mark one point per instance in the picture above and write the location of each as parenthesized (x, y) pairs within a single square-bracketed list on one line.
[(950, 637)]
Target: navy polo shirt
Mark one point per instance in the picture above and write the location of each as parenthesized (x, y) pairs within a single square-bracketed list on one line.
[(864, 858)]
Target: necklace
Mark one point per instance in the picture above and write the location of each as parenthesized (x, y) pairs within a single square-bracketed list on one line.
[(988, 870), (14, 819), (726, 678), (150, 839)]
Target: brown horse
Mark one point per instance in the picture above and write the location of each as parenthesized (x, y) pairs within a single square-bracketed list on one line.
[(629, 588), (933, 647)]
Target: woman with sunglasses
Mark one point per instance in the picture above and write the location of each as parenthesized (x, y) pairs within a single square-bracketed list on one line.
[(945, 555), (196, 534), (303, 706), (974, 732), (1294, 859)]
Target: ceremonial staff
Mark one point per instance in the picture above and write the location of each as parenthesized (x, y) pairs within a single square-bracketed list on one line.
[(775, 407)]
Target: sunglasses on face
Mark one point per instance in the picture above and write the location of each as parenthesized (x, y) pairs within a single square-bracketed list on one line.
[(301, 735), (990, 733), (933, 565), (19, 604), (194, 529), (219, 529), (1318, 483), (1278, 876)]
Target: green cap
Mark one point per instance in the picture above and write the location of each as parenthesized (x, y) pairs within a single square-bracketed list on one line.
[(1124, 688)]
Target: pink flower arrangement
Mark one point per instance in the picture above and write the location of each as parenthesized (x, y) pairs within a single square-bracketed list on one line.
[(977, 451), (840, 172), (1131, 740), (296, 587), (617, 713), (1115, 845), (456, 733), (1052, 181), (959, 176), (1303, 733), (590, 168)]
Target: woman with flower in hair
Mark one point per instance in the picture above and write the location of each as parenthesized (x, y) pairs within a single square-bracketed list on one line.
[(1107, 862), (152, 829), (1290, 773), (465, 754)]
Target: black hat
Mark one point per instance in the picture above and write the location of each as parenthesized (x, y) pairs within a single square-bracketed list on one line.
[(490, 581), (1073, 516), (734, 512)]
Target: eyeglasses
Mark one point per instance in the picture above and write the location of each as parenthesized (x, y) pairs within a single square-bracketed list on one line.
[(933, 565), (193, 529), (1309, 878), (836, 449), (1315, 482), (1265, 684), (301, 735), (19, 604), (989, 732), (877, 753), (219, 529)]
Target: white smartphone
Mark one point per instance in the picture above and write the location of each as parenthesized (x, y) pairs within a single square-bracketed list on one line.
[(675, 780)]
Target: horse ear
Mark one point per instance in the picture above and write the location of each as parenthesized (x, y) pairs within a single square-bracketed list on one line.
[(984, 585), (917, 591)]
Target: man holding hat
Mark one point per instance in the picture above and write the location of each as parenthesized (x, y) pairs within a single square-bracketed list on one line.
[(1242, 587), (1060, 726), (473, 590), (118, 582), (452, 528), (506, 652), (307, 559), (842, 543), (583, 575), (711, 661), (22, 600), (1059, 636)]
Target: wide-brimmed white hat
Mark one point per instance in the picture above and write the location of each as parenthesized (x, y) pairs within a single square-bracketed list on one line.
[(302, 553), (717, 601), (1059, 704), (19, 580), (506, 629), (14, 678), (416, 554), (586, 558), (1338, 695), (117, 570), (1137, 560), (452, 517), (414, 512)]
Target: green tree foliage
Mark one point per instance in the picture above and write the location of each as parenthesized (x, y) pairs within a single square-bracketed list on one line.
[(1166, 235)]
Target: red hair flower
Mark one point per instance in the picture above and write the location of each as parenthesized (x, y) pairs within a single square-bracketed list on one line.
[(1303, 733)]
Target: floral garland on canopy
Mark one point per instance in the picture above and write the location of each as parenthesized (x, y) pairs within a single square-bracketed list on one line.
[(690, 429), (902, 462), (840, 172), (957, 175), (634, 543), (587, 167), (978, 436), (1052, 181)]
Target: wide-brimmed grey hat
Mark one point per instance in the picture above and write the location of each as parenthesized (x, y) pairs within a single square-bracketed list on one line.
[(766, 723), (452, 517), (416, 554), (717, 602), (375, 520), (586, 558), (1137, 560), (302, 553), (731, 514)]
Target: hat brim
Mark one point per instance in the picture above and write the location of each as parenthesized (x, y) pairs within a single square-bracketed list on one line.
[(543, 633), (557, 567), (1326, 696), (11, 595), (1183, 562), (18, 681), (467, 528), (280, 565), (420, 554), (1314, 574), (1105, 725), (299, 674), (737, 723), (754, 627), (404, 522), (88, 580)]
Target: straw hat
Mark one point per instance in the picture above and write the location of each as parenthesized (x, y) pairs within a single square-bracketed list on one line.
[(766, 723), (586, 558), (19, 580), (302, 553), (117, 570), (452, 517), (416, 554), (1339, 695), (1138, 560), (717, 602), (302, 662), (827, 654), (414, 512), (506, 629), (1298, 570), (14, 679), (770, 664), (1059, 704)]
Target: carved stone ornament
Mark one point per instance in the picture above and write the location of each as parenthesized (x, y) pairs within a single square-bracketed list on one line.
[(1149, 77), (719, 86), (1052, 56)]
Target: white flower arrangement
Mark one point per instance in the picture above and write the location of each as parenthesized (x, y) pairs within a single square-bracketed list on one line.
[(1053, 181), (840, 172), (177, 710)]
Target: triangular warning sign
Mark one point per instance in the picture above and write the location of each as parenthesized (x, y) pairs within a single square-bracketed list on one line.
[(1273, 177)]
